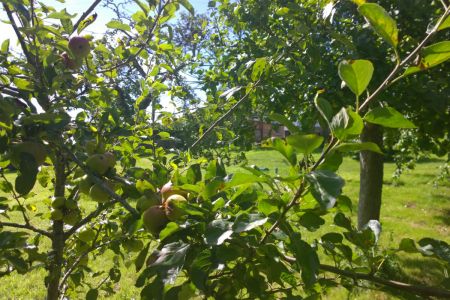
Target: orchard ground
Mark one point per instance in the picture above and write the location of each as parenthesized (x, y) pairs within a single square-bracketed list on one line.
[(414, 208)]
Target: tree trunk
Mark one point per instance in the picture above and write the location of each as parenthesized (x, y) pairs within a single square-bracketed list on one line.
[(56, 254), (371, 176)]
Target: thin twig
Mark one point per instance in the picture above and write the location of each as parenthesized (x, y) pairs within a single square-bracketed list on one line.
[(405, 61), (102, 184), (225, 115), (134, 56), (26, 226), (415, 289), (85, 14), (19, 36)]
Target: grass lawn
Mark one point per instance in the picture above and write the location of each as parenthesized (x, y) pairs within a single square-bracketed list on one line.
[(416, 208)]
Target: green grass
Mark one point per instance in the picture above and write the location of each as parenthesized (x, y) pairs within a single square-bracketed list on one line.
[(415, 208)]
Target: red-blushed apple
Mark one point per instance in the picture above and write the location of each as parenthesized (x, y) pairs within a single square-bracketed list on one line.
[(155, 219), (173, 207), (79, 46)]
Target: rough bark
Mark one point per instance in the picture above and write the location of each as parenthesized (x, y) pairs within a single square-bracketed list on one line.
[(56, 254), (371, 176)]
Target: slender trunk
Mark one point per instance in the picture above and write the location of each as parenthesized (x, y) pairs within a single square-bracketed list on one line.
[(371, 176), (56, 254)]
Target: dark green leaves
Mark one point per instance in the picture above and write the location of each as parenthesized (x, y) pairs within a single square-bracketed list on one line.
[(381, 22), (307, 259), (218, 231), (311, 221), (356, 74), (305, 143), (346, 123), (388, 117), (28, 173), (326, 186), (246, 222)]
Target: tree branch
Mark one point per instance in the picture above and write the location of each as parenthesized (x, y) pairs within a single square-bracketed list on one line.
[(85, 14), (28, 227), (225, 115), (404, 62), (102, 184), (414, 289)]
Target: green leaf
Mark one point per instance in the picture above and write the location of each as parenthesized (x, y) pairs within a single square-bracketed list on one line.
[(349, 147), (286, 150), (436, 54), (218, 231), (381, 22), (437, 248), (246, 222), (326, 186), (342, 221), (407, 245), (140, 259), (5, 46), (285, 121), (388, 117), (258, 67), (324, 107), (311, 221), (86, 22), (346, 123), (305, 143), (92, 294), (243, 178), (356, 74), (188, 6), (332, 162), (28, 174), (199, 269), (307, 259), (114, 24), (445, 24)]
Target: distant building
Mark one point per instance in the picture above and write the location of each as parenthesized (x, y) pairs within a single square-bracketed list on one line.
[(265, 130)]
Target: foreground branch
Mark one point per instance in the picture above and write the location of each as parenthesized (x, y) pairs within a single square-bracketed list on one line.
[(414, 289), (102, 184), (225, 115), (26, 226)]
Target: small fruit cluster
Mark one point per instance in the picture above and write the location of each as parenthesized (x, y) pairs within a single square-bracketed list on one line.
[(99, 163), (79, 48), (157, 213), (66, 210)]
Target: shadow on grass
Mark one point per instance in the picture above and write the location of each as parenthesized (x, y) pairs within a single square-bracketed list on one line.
[(445, 217)]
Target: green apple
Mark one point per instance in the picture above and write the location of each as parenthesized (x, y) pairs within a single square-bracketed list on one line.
[(173, 207), (92, 147), (72, 217), (56, 214), (79, 46), (98, 163), (110, 159), (168, 189), (155, 219), (146, 201), (98, 194), (85, 185), (87, 235), (58, 202), (71, 204)]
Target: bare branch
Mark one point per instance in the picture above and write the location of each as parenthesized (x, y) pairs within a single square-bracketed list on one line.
[(28, 227), (85, 14)]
